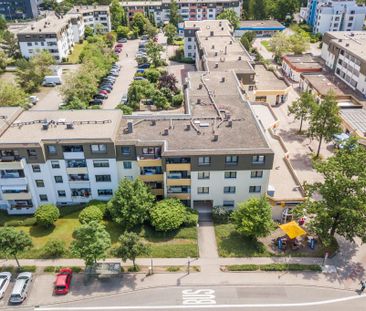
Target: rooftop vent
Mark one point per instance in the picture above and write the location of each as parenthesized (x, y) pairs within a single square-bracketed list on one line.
[(206, 38), (40, 30), (166, 132), (222, 28), (223, 79), (340, 40), (129, 127), (231, 42), (230, 123), (69, 125), (153, 122), (188, 127), (213, 46), (220, 24), (204, 124), (215, 137), (239, 58), (347, 44), (198, 101), (211, 33), (216, 65), (45, 125), (216, 53), (200, 86)]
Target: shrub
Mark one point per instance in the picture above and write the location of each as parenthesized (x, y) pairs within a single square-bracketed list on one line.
[(49, 269), (29, 221), (133, 269), (27, 269), (152, 75), (275, 267), (54, 249), (76, 269), (173, 269), (177, 100), (167, 215), (90, 213), (7, 269), (102, 205), (221, 214), (191, 218), (46, 215), (244, 267), (69, 209), (14, 223)]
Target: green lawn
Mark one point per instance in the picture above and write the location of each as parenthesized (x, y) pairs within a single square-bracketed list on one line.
[(232, 244), (265, 43), (74, 56), (176, 244)]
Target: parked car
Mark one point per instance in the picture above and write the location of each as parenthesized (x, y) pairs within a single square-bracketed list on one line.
[(122, 40), (4, 282), (114, 74), (144, 37), (106, 84), (124, 99), (139, 78), (140, 70), (105, 88), (119, 45), (21, 288), (117, 50), (143, 66), (53, 79), (100, 96), (96, 102), (63, 281), (33, 99), (103, 92), (48, 84)]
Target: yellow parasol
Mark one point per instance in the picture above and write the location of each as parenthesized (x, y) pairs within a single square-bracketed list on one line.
[(292, 229)]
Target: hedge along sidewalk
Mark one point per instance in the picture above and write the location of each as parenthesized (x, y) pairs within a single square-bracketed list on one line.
[(272, 267)]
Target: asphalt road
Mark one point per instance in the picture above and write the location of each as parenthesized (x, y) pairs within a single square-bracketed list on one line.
[(223, 298)]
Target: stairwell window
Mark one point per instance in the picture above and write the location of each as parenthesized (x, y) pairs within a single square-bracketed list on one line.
[(99, 148), (230, 175), (203, 190), (255, 189), (256, 174), (204, 160), (203, 175), (229, 189), (231, 160), (258, 159)]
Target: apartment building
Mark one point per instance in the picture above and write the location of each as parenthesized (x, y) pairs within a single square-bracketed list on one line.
[(345, 54), (19, 9), (334, 15), (55, 33), (261, 28), (294, 65), (94, 16), (189, 10)]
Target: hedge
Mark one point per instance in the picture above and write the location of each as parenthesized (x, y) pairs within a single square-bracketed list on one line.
[(275, 267), (27, 269)]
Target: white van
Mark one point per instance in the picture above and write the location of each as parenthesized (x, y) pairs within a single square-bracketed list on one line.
[(52, 79), (21, 288)]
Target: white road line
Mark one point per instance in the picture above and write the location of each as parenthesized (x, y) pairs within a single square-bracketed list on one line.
[(172, 307)]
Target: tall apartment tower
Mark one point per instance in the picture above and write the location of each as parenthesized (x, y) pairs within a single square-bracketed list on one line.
[(19, 9)]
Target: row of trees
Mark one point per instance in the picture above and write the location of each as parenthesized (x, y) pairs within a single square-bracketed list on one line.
[(324, 119)]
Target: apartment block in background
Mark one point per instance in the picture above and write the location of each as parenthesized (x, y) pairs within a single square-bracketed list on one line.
[(262, 28), (345, 54), (334, 15), (94, 16), (189, 10), (19, 9)]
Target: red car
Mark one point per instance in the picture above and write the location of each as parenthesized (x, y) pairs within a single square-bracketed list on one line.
[(119, 45), (63, 281), (103, 92)]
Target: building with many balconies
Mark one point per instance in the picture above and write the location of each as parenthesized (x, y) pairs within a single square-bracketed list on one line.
[(96, 17)]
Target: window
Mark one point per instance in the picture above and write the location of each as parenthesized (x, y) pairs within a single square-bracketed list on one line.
[(36, 168), (61, 193), (228, 203), (258, 159), (51, 149), (58, 180), (255, 189), (39, 183), (99, 148), (102, 178), (230, 175), (204, 160), (256, 174), (105, 192), (203, 175), (189, 39), (202, 190), (127, 165), (101, 163), (73, 148), (349, 25), (229, 189), (29, 44), (55, 164), (43, 197), (126, 150), (32, 153), (231, 160)]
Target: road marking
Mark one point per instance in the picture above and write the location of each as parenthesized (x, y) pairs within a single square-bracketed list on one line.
[(198, 297), (236, 306)]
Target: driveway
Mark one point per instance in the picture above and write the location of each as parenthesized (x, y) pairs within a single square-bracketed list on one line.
[(129, 65)]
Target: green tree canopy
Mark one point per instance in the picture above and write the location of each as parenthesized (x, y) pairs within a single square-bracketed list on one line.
[(12, 95), (117, 14), (131, 203), (153, 51), (91, 213), (299, 42), (130, 247), (159, 99), (46, 215), (168, 214), (170, 31), (302, 107), (279, 44), (139, 21), (231, 16), (175, 17), (258, 9), (325, 120), (91, 242), (123, 31), (253, 218), (13, 242), (341, 207)]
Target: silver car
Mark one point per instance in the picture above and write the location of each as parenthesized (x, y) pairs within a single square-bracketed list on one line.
[(21, 288), (4, 282)]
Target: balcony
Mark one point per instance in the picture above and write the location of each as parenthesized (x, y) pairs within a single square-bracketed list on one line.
[(17, 196), (178, 167), (13, 165), (13, 181), (76, 170), (149, 162), (152, 178), (180, 196), (178, 182), (74, 155), (157, 191)]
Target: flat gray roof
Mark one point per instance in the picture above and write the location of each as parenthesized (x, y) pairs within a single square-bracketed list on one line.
[(261, 23), (303, 61), (356, 118), (266, 80), (208, 118)]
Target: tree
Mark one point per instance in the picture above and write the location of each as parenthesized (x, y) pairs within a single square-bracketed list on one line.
[(169, 81), (90, 213), (258, 9), (88, 32), (91, 241), (253, 218), (138, 90), (160, 100), (174, 14), (117, 14), (46, 215), (139, 21), (299, 43), (279, 44), (13, 241), (285, 8), (131, 203), (3, 26), (153, 52), (170, 31), (129, 247), (10, 44), (150, 30), (325, 120), (341, 206), (12, 95), (122, 31), (245, 42), (302, 107), (54, 248), (177, 100), (250, 35), (231, 16), (152, 75), (167, 215), (4, 61)]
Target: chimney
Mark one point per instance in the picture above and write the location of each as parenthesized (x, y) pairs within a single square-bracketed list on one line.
[(239, 58), (166, 132), (188, 127), (213, 46), (223, 79), (211, 33), (198, 101), (215, 137), (129, 127), (216, 65), (200, 86), (225, 49)]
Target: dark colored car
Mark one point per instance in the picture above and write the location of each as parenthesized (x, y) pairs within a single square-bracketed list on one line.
[(100, 96), (63, 281), (144, 66), (96, 102), (139, 78)]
